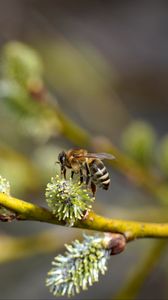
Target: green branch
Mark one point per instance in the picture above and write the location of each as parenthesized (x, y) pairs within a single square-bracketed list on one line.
[(131, 229)]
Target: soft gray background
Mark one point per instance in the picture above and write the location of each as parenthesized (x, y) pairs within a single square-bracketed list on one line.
[(132, 37)]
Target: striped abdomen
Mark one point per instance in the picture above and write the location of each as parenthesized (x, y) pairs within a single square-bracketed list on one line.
[(99, 174)]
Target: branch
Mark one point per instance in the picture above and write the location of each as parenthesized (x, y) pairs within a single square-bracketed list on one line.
[(131, 229)]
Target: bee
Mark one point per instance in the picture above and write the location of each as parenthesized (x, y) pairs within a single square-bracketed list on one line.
[(88, 165)]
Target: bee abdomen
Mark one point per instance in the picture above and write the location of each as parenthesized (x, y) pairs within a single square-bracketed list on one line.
[(99, 174)]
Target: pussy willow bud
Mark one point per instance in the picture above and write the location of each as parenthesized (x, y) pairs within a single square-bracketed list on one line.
[(79, 267), (21, 63), (138, 141), (15, 97), (69, 201), (4, 188), (34, 121)]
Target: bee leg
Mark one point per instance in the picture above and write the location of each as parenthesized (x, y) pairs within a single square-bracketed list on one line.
[(63, 172), (81, 176), (72, 174), (87, 174), (93, 188)]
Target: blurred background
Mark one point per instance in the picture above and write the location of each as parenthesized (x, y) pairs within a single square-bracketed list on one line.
[(104, 64)]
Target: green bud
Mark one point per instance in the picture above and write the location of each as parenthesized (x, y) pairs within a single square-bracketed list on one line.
[(4, 186), (68, 200), (21, 63), (35, 121), (15, 97), (79, 267), (138, 141)]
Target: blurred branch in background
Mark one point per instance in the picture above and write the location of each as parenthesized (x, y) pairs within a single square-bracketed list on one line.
[(139, 275), (14, 248), (159, 214)]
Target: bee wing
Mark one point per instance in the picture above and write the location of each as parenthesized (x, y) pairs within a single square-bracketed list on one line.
[(96, 155)]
